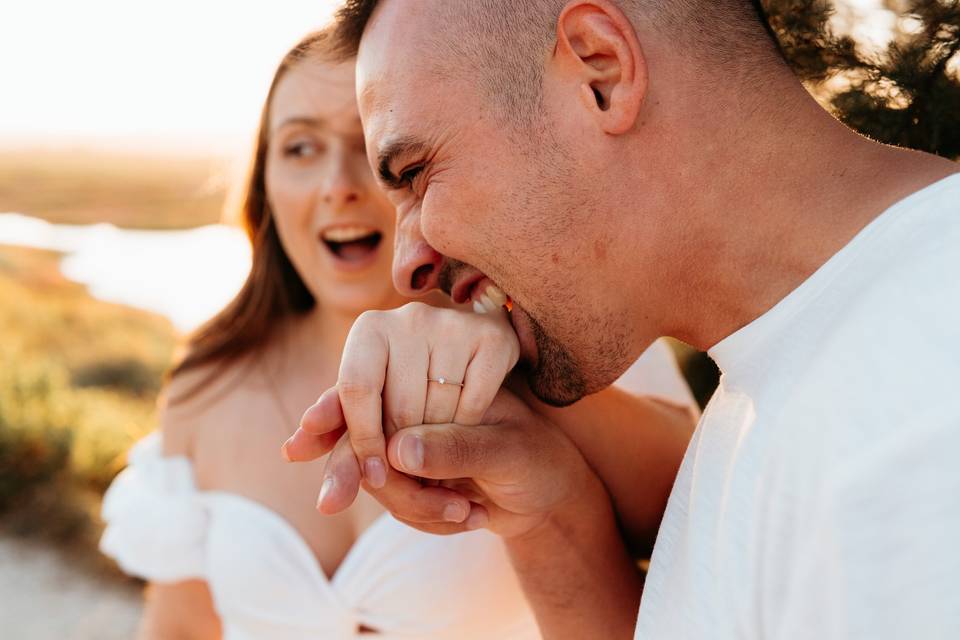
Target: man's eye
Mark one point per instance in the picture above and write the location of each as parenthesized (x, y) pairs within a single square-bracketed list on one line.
[(409, 175)]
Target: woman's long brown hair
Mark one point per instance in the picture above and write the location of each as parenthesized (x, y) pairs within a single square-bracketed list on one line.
[(273, 290)]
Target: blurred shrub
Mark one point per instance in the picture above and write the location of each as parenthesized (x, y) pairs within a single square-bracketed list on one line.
[(35, 419), (78, 379), (128, 375)]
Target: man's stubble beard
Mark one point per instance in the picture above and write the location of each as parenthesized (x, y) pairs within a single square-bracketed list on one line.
[(560, 378)]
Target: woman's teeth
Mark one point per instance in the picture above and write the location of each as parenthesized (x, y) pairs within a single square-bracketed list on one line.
[(347, 234), (491, 300)]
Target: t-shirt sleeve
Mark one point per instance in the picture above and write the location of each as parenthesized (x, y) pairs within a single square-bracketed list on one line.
[(881, 555), (156, 520)]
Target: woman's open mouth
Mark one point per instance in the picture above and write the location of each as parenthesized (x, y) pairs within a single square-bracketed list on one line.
[(355, 246)]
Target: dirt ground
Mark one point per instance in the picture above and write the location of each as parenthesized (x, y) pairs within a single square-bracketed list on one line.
[(42, 597)]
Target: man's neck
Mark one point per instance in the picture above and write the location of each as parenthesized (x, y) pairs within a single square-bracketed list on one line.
[(795, 186)]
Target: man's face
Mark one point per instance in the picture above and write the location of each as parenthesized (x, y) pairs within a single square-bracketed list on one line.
[(528, 207)]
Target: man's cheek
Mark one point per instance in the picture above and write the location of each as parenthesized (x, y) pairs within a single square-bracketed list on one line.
[(443, 224)]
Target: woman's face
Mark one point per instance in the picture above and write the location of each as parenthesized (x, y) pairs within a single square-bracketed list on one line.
[(335, 224)]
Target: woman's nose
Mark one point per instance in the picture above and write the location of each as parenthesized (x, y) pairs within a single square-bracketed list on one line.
[(416, 265), (341, 188)]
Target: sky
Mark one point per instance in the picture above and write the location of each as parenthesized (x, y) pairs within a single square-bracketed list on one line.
[(177, 74), (180, 72)]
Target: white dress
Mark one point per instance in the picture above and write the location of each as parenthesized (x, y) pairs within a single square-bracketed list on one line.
[(267, 584)]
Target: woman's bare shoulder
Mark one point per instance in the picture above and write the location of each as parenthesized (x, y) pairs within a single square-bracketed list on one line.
[(198, 405)]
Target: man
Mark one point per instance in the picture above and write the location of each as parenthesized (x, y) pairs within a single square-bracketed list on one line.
[(625, 170)]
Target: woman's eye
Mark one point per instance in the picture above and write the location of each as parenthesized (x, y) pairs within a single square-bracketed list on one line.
[(302, 149)]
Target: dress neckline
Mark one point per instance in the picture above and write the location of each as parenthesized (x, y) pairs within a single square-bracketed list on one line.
[(343, 568), (152, 445)]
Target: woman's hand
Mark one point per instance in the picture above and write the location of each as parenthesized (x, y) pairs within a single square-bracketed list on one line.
[(390, 379)]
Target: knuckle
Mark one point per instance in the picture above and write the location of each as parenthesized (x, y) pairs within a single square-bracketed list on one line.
[(366, 441), (368, 320), (493, 334), (413, 311), (406, 416), (453, 320), (351, 390)]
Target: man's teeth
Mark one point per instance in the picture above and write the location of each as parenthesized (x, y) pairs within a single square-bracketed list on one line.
[(347, 234), (492, 299), (496, 295)]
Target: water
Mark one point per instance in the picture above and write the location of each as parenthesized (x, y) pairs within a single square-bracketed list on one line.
[(186, 275)]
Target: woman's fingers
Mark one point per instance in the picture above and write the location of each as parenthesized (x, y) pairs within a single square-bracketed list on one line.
[(448, 363), (320, 428), (405, 388), (360, 388), (341, 479), (483, 378)]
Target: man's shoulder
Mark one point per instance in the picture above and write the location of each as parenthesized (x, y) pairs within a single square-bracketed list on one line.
[(887, 331)]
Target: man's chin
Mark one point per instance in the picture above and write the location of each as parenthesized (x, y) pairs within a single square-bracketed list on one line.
[(552, 373), (553, 391)]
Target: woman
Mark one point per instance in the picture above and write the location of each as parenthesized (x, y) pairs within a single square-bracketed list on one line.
[(223, 530)]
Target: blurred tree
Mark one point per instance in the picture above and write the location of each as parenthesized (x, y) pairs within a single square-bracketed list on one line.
[(908, 94)]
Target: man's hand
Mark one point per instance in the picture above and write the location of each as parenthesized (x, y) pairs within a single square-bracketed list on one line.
[(521, 477), (515, 468)]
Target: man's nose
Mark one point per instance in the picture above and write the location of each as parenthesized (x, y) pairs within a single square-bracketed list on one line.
[(416, 265)]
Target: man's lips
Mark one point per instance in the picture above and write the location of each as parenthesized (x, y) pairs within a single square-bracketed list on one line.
[(463, 289)]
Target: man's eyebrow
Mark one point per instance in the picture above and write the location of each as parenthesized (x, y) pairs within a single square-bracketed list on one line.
[(390, 152)]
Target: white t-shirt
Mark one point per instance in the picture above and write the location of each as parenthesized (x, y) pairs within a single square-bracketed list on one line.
[(820, 496)]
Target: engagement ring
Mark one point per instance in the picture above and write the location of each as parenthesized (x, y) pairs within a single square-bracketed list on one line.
[(445, 381)]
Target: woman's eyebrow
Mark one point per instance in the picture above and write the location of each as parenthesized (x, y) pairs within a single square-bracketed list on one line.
[(388, 155), (301, 121)]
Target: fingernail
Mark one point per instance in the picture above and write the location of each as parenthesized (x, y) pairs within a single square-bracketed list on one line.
[(375, 472), (410, 450), (477, 519), (284, 451), (325, 489), (454, 512)]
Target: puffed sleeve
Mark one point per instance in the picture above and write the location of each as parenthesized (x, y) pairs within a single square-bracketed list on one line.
[(156, 519)]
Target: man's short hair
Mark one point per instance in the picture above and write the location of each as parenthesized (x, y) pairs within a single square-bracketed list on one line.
[(508, 38), (707, 21)]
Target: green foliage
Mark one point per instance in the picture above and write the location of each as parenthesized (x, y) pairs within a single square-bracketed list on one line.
[(908, 95)]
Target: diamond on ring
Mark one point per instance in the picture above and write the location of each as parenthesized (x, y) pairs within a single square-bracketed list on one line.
[(445, 381)]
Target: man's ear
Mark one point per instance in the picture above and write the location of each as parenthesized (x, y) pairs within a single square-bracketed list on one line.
[(598, 50)]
